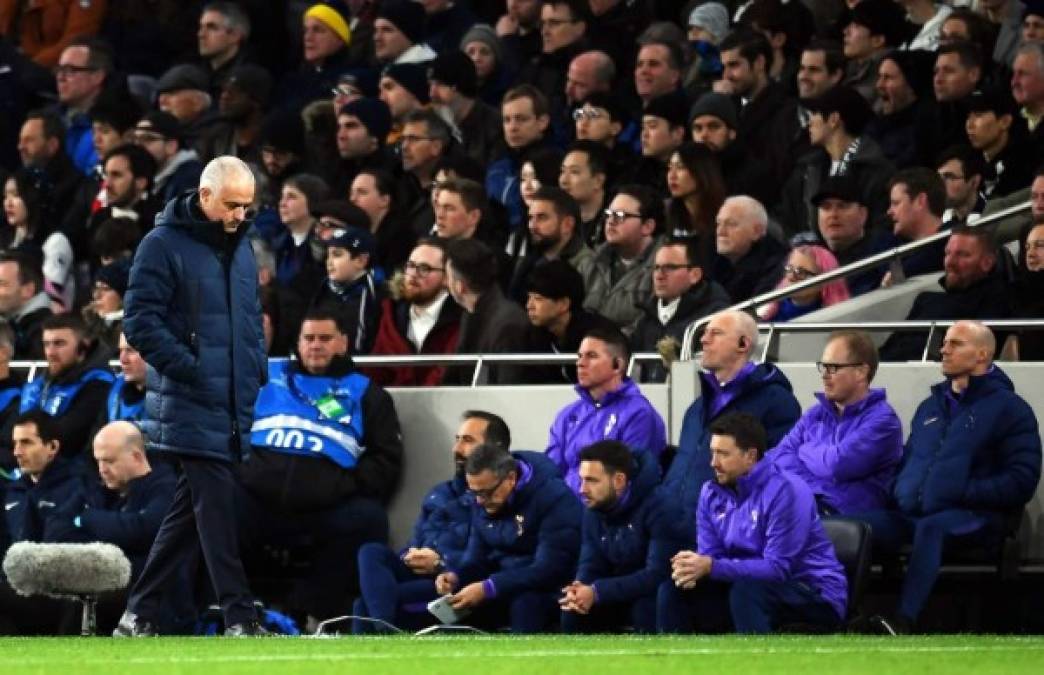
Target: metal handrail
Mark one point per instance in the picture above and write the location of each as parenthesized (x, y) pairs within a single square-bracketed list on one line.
[(875, 260), (480, 361)]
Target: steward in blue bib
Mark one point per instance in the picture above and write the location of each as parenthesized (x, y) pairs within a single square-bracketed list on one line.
[(126, 401), (320, 438), (10, 400), (74, 396)]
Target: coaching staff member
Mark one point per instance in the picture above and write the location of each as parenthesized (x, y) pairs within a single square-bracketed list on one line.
[(192, 312)]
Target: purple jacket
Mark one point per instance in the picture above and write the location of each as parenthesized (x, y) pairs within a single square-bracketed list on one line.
[(768, 529), (623, 415), (850, 460)]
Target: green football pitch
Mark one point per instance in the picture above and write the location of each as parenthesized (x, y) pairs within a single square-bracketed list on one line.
[(537, 656)]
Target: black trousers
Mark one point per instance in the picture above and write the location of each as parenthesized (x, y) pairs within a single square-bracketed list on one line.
[(200, 526)]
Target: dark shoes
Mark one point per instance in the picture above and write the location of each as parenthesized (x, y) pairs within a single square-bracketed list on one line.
[(131, 625), (247, 629)]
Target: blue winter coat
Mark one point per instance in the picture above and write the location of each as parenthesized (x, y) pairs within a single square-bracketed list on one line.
[(623, 415), (130, 521), (44, 511), (533, 542), (626, 552), (768, 529), (445, 521), (981, 453), (192, 311), (503, 185), (848, 460), (765, 393)]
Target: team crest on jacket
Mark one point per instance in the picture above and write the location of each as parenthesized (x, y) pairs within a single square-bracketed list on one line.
[(609, 425), (754, 516), (520, 524)]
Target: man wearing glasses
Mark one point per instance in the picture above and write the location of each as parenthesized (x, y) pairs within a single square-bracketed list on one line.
[(423, 319), (80, 76), (682, 295), (395, 585), (847, 447), (524, 541), (620, 281)]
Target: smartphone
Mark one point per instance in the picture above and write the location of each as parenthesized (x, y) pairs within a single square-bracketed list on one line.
[(442, 610)]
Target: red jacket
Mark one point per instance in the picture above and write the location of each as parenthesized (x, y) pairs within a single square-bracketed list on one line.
[(391, 340), (48, 26)]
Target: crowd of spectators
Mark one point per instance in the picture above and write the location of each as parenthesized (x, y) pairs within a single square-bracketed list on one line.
[(556, 176)]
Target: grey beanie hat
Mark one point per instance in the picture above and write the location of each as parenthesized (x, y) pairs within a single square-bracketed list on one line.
[(483, 32), (711, 17)]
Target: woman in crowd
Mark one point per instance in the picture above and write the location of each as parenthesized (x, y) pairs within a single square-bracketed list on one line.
[(804, 263), (697, 191), (373, 191), (484, 48)]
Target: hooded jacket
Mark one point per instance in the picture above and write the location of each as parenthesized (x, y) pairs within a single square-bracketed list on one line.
[(979, 451), (626, 551), (849, 460), (765, 393), (532, 543), (623, 415), (768, 529), (192, 312)]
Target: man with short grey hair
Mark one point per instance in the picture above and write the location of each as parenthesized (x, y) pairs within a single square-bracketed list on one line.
[(192, 312), (749, 261)]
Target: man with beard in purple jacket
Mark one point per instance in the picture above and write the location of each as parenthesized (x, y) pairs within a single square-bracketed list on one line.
[(847, 447), (763, 559), (611, 407)]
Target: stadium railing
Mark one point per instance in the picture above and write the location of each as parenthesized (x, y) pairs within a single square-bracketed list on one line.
[(890, 257)]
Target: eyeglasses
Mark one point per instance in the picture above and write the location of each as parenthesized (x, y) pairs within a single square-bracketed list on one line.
[(588, 113), (832, 368), (484, 495), (1036, 245), (668, 268), (948, 175), (618, 216), (404, 140), (798, 272), (68, 70), (422, 269)]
